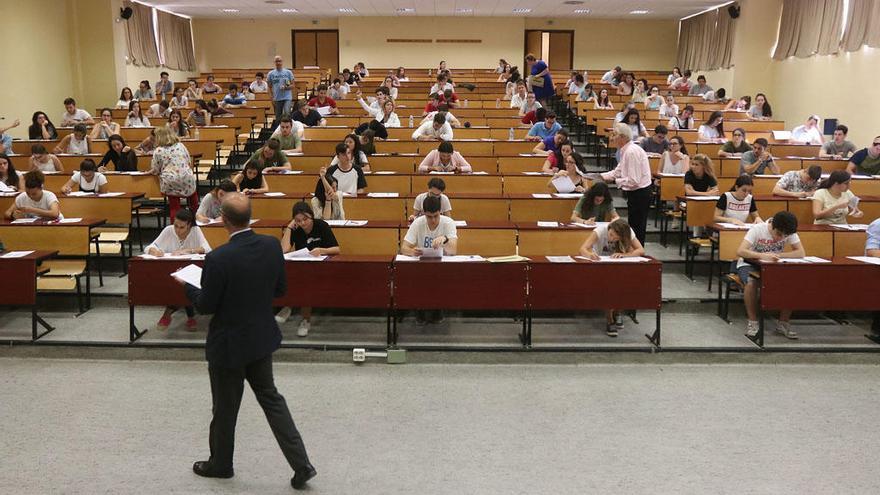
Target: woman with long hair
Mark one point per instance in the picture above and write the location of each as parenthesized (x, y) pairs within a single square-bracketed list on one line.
[(675, 160), (136, 117), (713, 129), (596, 205), (41, 127), (177, 124), (125, 98), (833, 202), (602, 101), (761, 110), (11, 179), (737, 206)]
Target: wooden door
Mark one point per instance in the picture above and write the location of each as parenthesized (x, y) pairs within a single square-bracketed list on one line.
[(561, 48), (328, 50), (305, 49), (533, 43), (316, 48)]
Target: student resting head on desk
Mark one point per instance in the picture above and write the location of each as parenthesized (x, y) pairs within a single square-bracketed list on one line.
[(798, 183), (11, 179), (436, 187), (87, 179), (833, 201), (34, 202), (251, 180), (618, 240), (596, 205), (180, 238), (306, 232), (737, 206), (430, 230), (209, 208)]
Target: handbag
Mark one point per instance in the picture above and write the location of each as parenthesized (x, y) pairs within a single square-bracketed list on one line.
[(536, 81)]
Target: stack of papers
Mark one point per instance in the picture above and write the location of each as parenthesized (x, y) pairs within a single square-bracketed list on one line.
[(462, 258), (533, 173), (560, 259), (480, 172), (542, 195), (24, 220), (866, 259), (548, 224), (111, 195), (70, 220), (441, 172), (383, 194), (507, 259), (403, 257), (78, 194), (734, 226), (385, 172), (303, 255), (805, 259), (202, 224)]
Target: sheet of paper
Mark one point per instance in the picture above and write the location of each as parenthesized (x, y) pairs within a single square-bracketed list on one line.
[(428, 253), (440, 172), (324, 111), (16, 254), (734, 226), (782, 135), (805, 259), (513, 258), (356, 223), (70, 220), (572, 195), (460, 223), (24, 220), (528, 154), (5, 188), (293, 153), (462, 258), (671, 175), (275, 194), (191, 274), (403, 257), (703, 198), (542, 195), (383, 195), (633, 259), (202, 224), (385, 172), (134, 173), (79, 194), (480, 172), (563, 184), (336, 223), (303, 255), (866, 259), (548, 224), (533, 173), (560, 259), (111, 195), (582, 225)]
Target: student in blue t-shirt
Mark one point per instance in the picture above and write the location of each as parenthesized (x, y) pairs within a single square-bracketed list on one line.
[(280, 84), (551, 143), (234, 99), (544, 129)]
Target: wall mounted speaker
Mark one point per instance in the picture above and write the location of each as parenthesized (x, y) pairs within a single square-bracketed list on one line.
[(733, 10), (126, 13)]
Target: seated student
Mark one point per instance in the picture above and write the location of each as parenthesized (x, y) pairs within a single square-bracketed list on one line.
[(737, 146), (634, 121), (675, 74), (286, 137), (73, 115), (437, 129), (740, 105), (675, 160), (327, 203), (616, 240), (767, 241), (556, 160), (135, 117), (866, 161), (838, 147), (603, 102), (436, 188), (321, 100), (179, 100), (306, 232), (355, 153), (668, 109), (76, 143), (596, 205), (144, 91), (701, 88), (640, 92), (737, 206), (180, 238), (626, 85), (587, 94), (377, 103), (713, 129), (430, 230), (164, 86), (125, 98), (833, 201), (529, 104), (251, 179), (450, 98), (209, 88), (444, 108), (758, 160), (209, 208), (10, 179), (105, 127), (6, 138), (367, 139), (441, 85), (612, 77), (200, 115), (350, 78), (269, 158), (148, 145), (338, 90), (654, 100), (349, 179), (159, 110), (542, 130), (192, 92), (761, 110), (550, 143), (798, 183), (309, 117), (86, 179), (700, 179), (808, 132), (683, 83), (433, 104), (656, 144), (719, 96), (445, 159), (124, 158), (216, 110), (684, 121), (34, 202), (177, 124), (41, 127), (259, 85), (575, 170), (43, 161)]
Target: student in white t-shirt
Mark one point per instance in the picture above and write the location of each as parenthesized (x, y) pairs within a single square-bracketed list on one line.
[(209, 206), (86, 179), (436, 187), (767, 241), (349, 178), (431, 230), (432, 130), (34, 202), (73, 115), (737, 206)]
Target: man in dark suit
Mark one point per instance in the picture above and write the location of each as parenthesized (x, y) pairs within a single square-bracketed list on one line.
[(239, 281)]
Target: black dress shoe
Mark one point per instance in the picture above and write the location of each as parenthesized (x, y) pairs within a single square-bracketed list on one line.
[(205, 469), (298, 482)]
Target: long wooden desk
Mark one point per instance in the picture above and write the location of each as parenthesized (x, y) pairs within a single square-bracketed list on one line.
[(19, 288), (113, 209), (701, 212), (818, 240)]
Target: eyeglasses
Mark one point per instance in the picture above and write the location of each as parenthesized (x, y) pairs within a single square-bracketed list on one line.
[(735, 134)]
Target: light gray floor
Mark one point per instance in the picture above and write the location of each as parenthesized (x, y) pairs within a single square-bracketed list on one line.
[(135, 427)]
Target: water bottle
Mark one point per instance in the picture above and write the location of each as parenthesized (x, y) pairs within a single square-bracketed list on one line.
[(196, 134), (510, 134), (497, 102), (465, 102), (429, 72), (411, 121)]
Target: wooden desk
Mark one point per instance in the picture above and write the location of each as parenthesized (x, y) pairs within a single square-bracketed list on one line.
[(216, 234), (68, 239), (527, 208), (376, 238), (543, 241), (509, 165), (19, 286), (474, 207), (526, 184), (114, 209), (818, 240)]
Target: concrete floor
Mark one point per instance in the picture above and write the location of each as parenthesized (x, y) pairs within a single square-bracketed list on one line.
[(133, 426)]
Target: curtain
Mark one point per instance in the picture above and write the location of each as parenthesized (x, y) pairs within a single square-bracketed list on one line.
[(723, 42), (862, 25), (705, 42), (808, 27), (175, 41), (140, 40)]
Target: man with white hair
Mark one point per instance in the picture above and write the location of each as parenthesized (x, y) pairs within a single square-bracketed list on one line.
[(633, 177)]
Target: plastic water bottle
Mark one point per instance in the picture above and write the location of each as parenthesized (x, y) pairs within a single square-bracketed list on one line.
[(465, 102), (497, 102), (429, 72), (196, 134), (411, 121), (510, 134)]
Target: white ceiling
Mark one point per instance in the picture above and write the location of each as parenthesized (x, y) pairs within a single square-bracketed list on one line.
[(669, 9)]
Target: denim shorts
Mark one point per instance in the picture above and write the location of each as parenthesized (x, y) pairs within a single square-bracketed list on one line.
[(742, 271)]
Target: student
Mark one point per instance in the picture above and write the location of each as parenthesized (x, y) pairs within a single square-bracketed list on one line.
[(656, 144), (350, 179), (758, 160), (668, 109), (441, 85), (808, 133), (86, 179), (542, 130), (269, 158), (612, 77), (144, 91), (596, 205), (6, 138), (766, 241), (192, 92), (713, 129), (11, 180), (135, 117), (259, 85), (450, 119), (327, 202), (159, 110), (530, 104), (367, 139), (287, 139), (437, 129), (866, 161), (200, 115), (358, 157), (737, 146), (640, 93), (675, 160), (833, 201), (700, 179), (377, 103), (172, 162), (105, 127), (436, 188), (76, 143), (701, 88), (148, 145), (34, 202), (73, 115), (209, 87), (209, 208), (551, 143), (164, 86), (388, 82), (676, 73), (574, 169), (588, 94), (125, 98), (444, 159), (338, 89), (350, 78), (321, 100), (306, 232), (654, 101), (737, 206), (177, 124), (179, 100), (430, 230), (761, 110), (43, 161), (41, 127), (632, 119), (217, 110), (798, 183), (838, 147), (309, 117), (616, 240), (603, 102), (577, 84), (124, 158), (251, 180), (180, 238), (741, 105), (684, 121), (683, 83), (557, 158), (520, 94), (625, 87)]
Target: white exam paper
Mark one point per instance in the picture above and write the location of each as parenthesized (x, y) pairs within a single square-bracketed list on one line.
[(191, 274), (16, 254)]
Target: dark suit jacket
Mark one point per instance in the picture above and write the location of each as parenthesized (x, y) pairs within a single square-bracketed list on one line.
[(239, 281)]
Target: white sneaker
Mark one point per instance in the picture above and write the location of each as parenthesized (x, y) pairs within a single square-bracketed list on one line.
[(784, 328), (752, 329), (303, 330), (283, 315)]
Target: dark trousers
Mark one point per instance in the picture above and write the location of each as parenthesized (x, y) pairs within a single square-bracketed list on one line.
[(227, 386), (638, 204), (279, 106)]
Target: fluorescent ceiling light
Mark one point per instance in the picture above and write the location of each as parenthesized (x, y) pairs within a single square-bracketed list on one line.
[(521, 11), (582, 11), (639, 12), (288, 11), (347, 11), (229, 11), (464, 11), (405, 10)]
